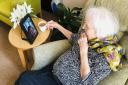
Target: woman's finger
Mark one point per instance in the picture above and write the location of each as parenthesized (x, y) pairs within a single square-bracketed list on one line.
[(49, 27), (83, 35), (50, 21), (83, 39)]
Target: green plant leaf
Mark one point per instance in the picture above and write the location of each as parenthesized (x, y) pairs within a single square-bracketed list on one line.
[(69, 18), (61, 10)]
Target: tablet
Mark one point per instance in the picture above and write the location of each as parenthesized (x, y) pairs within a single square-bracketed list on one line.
[(29, 28)]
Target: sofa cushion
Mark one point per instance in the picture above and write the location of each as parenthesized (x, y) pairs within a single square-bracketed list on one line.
[(5, 8), (47, 53), (117, 78)]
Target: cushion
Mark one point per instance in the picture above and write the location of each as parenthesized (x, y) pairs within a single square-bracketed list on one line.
[(117, 78), (5, 7), (47, 53)]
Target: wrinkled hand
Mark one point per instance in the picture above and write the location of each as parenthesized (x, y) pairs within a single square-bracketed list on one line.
[(84, 66), (52, 24), (83, 42)]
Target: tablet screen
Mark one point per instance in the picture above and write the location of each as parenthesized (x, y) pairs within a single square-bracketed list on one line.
[(29, 28)]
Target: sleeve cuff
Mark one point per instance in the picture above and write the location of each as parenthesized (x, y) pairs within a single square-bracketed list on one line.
[(86, 77)]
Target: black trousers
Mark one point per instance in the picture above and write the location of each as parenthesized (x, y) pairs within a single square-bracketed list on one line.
[(40, 77)]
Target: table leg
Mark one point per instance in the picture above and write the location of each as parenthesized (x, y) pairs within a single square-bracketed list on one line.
[(22, 57)]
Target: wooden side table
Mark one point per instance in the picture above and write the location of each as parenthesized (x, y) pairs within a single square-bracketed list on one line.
[(22, 45)]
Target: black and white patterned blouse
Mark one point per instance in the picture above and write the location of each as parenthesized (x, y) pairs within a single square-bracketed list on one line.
[(67, 66)]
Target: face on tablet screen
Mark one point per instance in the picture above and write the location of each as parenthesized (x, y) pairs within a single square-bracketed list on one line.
[(29, 28)]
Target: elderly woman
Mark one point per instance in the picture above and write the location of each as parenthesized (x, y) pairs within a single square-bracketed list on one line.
[(92, 57)]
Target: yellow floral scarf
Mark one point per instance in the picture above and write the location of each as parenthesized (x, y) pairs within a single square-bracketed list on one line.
[(110, 49)]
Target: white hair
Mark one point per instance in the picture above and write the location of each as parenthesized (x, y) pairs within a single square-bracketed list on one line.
[(103, 21)]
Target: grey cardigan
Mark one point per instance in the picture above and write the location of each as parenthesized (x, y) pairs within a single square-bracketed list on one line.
[(67, 66)]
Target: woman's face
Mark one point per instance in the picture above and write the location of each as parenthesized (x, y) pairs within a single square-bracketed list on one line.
[(89, 29)]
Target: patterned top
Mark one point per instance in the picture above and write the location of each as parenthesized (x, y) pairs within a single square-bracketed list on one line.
[(67, 66), (111, 50)]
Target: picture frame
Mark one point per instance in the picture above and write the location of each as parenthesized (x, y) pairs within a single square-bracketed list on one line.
[(29, 28)]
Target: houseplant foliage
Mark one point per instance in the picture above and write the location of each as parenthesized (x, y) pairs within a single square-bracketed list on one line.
[(19, 12), (69, 18)]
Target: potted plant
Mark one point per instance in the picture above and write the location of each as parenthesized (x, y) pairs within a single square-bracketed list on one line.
[(68, 18)]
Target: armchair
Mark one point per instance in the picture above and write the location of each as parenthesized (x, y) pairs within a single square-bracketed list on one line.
[(6, 7), (49, 52), (46, 53)]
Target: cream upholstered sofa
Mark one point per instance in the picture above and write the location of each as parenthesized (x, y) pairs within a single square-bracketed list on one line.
[(49, 52)]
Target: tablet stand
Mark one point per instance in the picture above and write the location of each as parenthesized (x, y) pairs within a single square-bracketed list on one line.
[(23, 36)]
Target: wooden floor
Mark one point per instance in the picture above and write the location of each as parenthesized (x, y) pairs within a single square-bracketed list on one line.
[(10, 66)]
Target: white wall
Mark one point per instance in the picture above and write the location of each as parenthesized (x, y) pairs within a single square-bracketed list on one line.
[(74, 3)]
